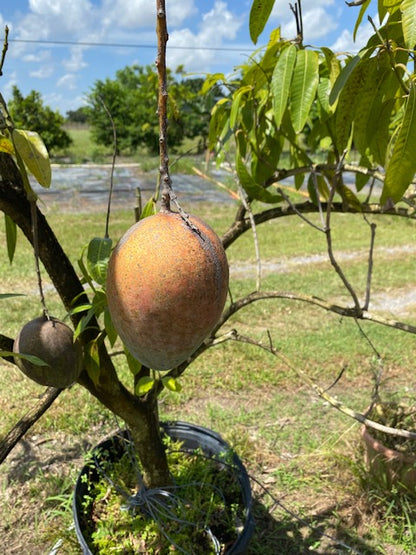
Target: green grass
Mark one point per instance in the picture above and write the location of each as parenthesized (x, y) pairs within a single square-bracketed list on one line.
[(305, 452), (84, 150)]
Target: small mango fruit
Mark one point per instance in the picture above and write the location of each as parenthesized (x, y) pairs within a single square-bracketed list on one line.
[(167, 283), (52, 341)]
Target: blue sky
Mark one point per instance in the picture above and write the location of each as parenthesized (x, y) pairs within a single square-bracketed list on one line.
[(205, 36)]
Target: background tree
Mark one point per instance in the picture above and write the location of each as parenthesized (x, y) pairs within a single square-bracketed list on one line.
[(30, 113), (130, 97), (80, 115)]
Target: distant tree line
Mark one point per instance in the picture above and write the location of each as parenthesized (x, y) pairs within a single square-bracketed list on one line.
[(131, 99)]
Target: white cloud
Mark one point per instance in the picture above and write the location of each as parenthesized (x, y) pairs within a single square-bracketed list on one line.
[(43, 55), (346, 43), (137, 14), (317, 17), (67, 81), (312, 24), (58, 17), (217, 26), (76, 61), (43, 72)]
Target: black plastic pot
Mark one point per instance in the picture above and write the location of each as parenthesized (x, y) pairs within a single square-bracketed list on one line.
[(192, 437)]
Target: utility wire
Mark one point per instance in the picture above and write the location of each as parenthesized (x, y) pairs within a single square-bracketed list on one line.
[(123, 45)]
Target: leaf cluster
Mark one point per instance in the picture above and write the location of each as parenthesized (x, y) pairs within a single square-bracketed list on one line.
[(309, 109)]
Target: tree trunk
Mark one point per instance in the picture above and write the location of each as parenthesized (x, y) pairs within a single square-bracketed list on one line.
[(140, 414)]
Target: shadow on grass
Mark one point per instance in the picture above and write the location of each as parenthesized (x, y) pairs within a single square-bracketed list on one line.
[(30, 458), (288, 535)]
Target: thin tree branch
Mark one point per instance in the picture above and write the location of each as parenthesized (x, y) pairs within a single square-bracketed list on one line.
[(34, 223), (281, 174), (241, 224), (4, 50), (162, 39), (336, 403), (328, 235), (256, 296), (113, 163), (370, 264), (247, 206), (297, 212), (313, 300), (297, 12)]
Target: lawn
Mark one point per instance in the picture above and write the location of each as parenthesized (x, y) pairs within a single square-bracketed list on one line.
[(312, 492)]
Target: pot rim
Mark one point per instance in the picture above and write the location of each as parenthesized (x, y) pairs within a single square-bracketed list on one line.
[(387, 452), (218, 444)]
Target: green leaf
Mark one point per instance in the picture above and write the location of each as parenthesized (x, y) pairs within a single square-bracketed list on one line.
[(408, 9), (379, 123), (81, 308), (390, 3), (149, 209), (274, 37), (347, 102), (328, 74), (332, 63), (259, 14), (84, 271), (211, 81), (361, 181), (248, 114), (219, 122), (304, 85), (251, 187), (31, 358), (8, 295), (172, 384), (92, 361), (343, 78), (236, 103), (98, 255), (317, 187), (401, 166), (99, 301), (109, 327), (270, 149), (6, 145), (281, 80), (83, 323), (133, 364), (349, 197), (363, 9), (368, 101), (11, 236), (144, 385), (382, 10), (33, 152), (324, 88)]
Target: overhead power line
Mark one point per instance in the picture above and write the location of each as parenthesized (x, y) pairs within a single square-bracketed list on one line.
[(121, 45)]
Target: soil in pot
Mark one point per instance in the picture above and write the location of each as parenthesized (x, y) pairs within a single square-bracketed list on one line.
[(391, 459), (204, 512)]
